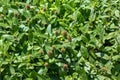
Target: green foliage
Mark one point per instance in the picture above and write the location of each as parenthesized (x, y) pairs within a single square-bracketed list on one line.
[(59, 39)]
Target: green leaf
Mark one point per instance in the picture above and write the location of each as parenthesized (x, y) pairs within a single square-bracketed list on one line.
[(49, 29), (28, 78), (68, 7), (43, 71), (84, 51), (117, 13), (1, 9), (7, 36), (12, 70), (116, 57), (79, 54), (23, 28), (21, 65), (99, 54), (1, 42), (101, 77)]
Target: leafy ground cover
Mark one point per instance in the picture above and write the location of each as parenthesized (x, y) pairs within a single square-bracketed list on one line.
[(59, 39)]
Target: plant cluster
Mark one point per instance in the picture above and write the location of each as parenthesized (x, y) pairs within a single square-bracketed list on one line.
[(59, 39)]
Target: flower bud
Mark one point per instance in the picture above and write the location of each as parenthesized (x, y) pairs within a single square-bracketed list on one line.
[(50, 53), (41, 51), (28, 6), (16, 14), (56, 12), (44, 9), (69, 38), (64, 33), (65, 66), (46, 64), (62, 50), (53, 47), (104, 69), (27, 20), (2, 15), (57, 32), (30, 55)]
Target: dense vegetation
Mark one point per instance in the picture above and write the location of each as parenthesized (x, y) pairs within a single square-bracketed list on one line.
[(59, 39)]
